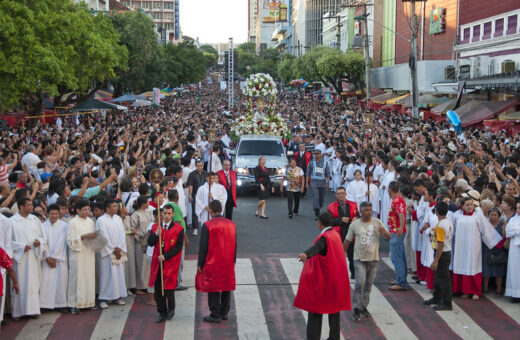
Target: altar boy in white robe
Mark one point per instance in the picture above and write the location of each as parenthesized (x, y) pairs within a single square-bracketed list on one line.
[(357, 189), (513, 263), (6, 243), (82, 269), (336, 166), (53, 288), (112, 286), (204, 196), (29, 246)]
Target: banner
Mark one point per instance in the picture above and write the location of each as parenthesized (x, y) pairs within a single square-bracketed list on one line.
[(156, 96)]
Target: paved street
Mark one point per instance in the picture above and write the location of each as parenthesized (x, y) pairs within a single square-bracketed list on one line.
[(267, 278)]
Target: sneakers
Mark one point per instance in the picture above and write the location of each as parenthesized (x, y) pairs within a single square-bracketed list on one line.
[(170, 315), (195, 232), (365, 313), (180, 288), (74, 311), (357, 314), (103, 305), (290, 215), (160, 319), (120, 302), (211, 319)]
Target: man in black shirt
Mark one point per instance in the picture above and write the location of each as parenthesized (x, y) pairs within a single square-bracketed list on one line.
[(195, 180)]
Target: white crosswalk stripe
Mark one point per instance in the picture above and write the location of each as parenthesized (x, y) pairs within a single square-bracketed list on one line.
[(250, 318), (293, 269), (112, 321), (458, 320)]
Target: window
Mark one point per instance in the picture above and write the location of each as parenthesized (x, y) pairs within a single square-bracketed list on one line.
[(511, 24), (487, 30), (260, 147), (168, 16), (168, 5), (465, 35), (145, 4), (499, 28), (476, 33)]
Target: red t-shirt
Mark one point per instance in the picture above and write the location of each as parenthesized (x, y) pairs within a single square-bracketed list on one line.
[(397, 206), (5, 262)]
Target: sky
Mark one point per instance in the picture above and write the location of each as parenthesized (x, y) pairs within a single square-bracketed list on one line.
[(214, 21)]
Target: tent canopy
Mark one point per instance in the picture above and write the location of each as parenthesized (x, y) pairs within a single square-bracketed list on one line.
[(94, 104), (103, 95), (127, 98), (139, 103), (394, 100), (383, 98), (509, 116), (477, 111)]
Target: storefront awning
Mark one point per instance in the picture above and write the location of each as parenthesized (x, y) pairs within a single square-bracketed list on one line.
[(396, 99), (476, 111)]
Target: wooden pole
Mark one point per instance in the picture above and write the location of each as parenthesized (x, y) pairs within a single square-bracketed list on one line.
[(160, 236)]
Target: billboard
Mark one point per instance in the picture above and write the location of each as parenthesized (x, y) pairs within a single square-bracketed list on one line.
[(273, 11)]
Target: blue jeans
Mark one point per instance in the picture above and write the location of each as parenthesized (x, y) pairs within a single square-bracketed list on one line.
[(398, 257)]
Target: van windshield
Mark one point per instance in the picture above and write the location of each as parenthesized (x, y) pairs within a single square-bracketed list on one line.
[(260, 148)]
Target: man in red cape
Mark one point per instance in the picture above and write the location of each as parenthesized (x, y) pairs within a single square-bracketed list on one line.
[(228, 178), (343, 213), (324, 286), (216, 264), (172, 239)]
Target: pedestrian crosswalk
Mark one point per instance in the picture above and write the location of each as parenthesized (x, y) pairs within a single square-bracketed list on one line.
[(262, 309)]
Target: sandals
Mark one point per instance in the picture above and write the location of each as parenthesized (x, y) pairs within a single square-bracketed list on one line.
[(264, 217), (396, 288)]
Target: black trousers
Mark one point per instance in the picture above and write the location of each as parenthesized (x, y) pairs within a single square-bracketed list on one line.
[(169, 295), (194, 218), (442, 280), (314, 326), (229, 207), (219, 304), (293, 198), (350, 257)]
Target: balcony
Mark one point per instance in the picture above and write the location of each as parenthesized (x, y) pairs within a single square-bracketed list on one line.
[(279, 32)]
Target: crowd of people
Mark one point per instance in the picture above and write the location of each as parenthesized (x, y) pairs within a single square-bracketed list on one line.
[(77, 198)]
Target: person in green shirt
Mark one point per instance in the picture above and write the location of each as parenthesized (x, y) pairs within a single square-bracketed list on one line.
[(173, 200)]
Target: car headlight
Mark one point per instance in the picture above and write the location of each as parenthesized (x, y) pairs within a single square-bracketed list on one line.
[(241, 171)]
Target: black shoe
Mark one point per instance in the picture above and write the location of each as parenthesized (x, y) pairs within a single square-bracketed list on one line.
[(415, 277), (430, 302), (315, 218), (225, 317), (3, 323), (357, 315), (290, 215), (442, 307), (264, 217), (160, 319), (74, 311), (209, 318), (170, 315), (515, 300), (365, 313), (179, 288)]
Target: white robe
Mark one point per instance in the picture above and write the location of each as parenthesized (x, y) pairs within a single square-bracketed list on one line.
[(182, 198), (112, 284), (385, 197), (201, 200), (82, 267), (215, 165), (421, 210), (379, 172), (27, 265), (356, 191), (6, 243), (427, 254), (53, 288), (374, 198), (469, 233), (513, 263), (336, 165)]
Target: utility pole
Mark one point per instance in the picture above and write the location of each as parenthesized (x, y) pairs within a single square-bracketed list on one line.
[(338, 33), (413, 64), (231, 93), (367, 56)]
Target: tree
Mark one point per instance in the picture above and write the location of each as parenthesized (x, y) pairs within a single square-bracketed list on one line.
[(137, 33), (332, 66), (248, 47), (183, 63), (210, 59), (355, 68), (309, 69), (246, 62), (285, 68), (52, 46), (209, 49)]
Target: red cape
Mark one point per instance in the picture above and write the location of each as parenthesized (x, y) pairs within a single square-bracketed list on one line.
[(333, 210), (218, 272), (324, 286), (171, 267), (222, 180)]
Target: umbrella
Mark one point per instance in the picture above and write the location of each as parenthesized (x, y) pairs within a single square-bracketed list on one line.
[(94, 104), (126, 98), (139, 103)]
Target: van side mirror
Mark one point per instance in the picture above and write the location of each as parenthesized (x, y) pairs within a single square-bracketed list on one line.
[(232, 152)]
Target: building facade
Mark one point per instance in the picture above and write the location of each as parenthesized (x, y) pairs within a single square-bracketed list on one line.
[(488, 45), (95, 5), (271, 15), (252, 7), (165, 15)]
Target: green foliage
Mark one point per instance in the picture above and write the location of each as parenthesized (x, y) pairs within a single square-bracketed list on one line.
[(248, 47), (286, 71), (183, 63), (210, 59), (245, 59), (209, 49), (51, 46)]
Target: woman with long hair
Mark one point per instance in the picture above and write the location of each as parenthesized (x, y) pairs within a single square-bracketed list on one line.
[(264, 187)]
